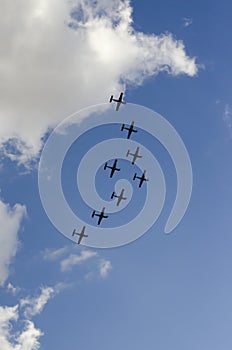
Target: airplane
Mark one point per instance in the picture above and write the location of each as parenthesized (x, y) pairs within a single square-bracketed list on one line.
[(135, 155), (113, 168), (120, 197), (119, 101), (81, 234), (101, 215), (141, 178), (130, 129)]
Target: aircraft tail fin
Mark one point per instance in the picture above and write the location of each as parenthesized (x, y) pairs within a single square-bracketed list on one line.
[(123, 126), (135, 175), (128, 152), (113, 194), (105, 166), (111, 98), (93, 213)]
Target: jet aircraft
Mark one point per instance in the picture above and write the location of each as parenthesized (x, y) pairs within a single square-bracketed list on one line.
[(113, 168), (101, 215), (120, 196), (81, 234), (142, 178), (119, 100), (135, 155), (130, 129)]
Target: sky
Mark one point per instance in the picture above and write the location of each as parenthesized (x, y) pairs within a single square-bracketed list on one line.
[(160, 291)]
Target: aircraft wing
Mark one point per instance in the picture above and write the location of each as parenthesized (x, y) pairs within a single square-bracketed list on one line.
[(118, 105), (129, 133), (99, 220), (137, 152), (119, 200), (142, 179)]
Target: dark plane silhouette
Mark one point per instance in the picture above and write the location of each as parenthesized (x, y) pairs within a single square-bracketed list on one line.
[(130, 129), (113, 168), (101, 215), (119, 101), (142, 178)]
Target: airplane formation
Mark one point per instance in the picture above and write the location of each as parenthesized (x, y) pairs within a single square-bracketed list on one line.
[(120, 197)]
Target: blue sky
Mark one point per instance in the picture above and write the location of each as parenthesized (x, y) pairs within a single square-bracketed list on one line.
[(160, 291)]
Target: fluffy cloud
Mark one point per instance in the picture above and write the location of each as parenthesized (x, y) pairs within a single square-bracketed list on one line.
[(68, 258), (12, 319), (187, 21), (10, 219), (104, 268), (74, 259), (27, 339), (60, 56), (227, 117), (54, 254), (13, 290), (34, 305)]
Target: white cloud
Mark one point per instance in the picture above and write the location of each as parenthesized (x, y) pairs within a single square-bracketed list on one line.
[(54, 254), (35, 305), (7, 315), (12, 289), (52, 64), (74, 259), (10, 219), (227, 117), (68, 260), (104, 268), (187, 21), (12, 318), (27, 339)]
